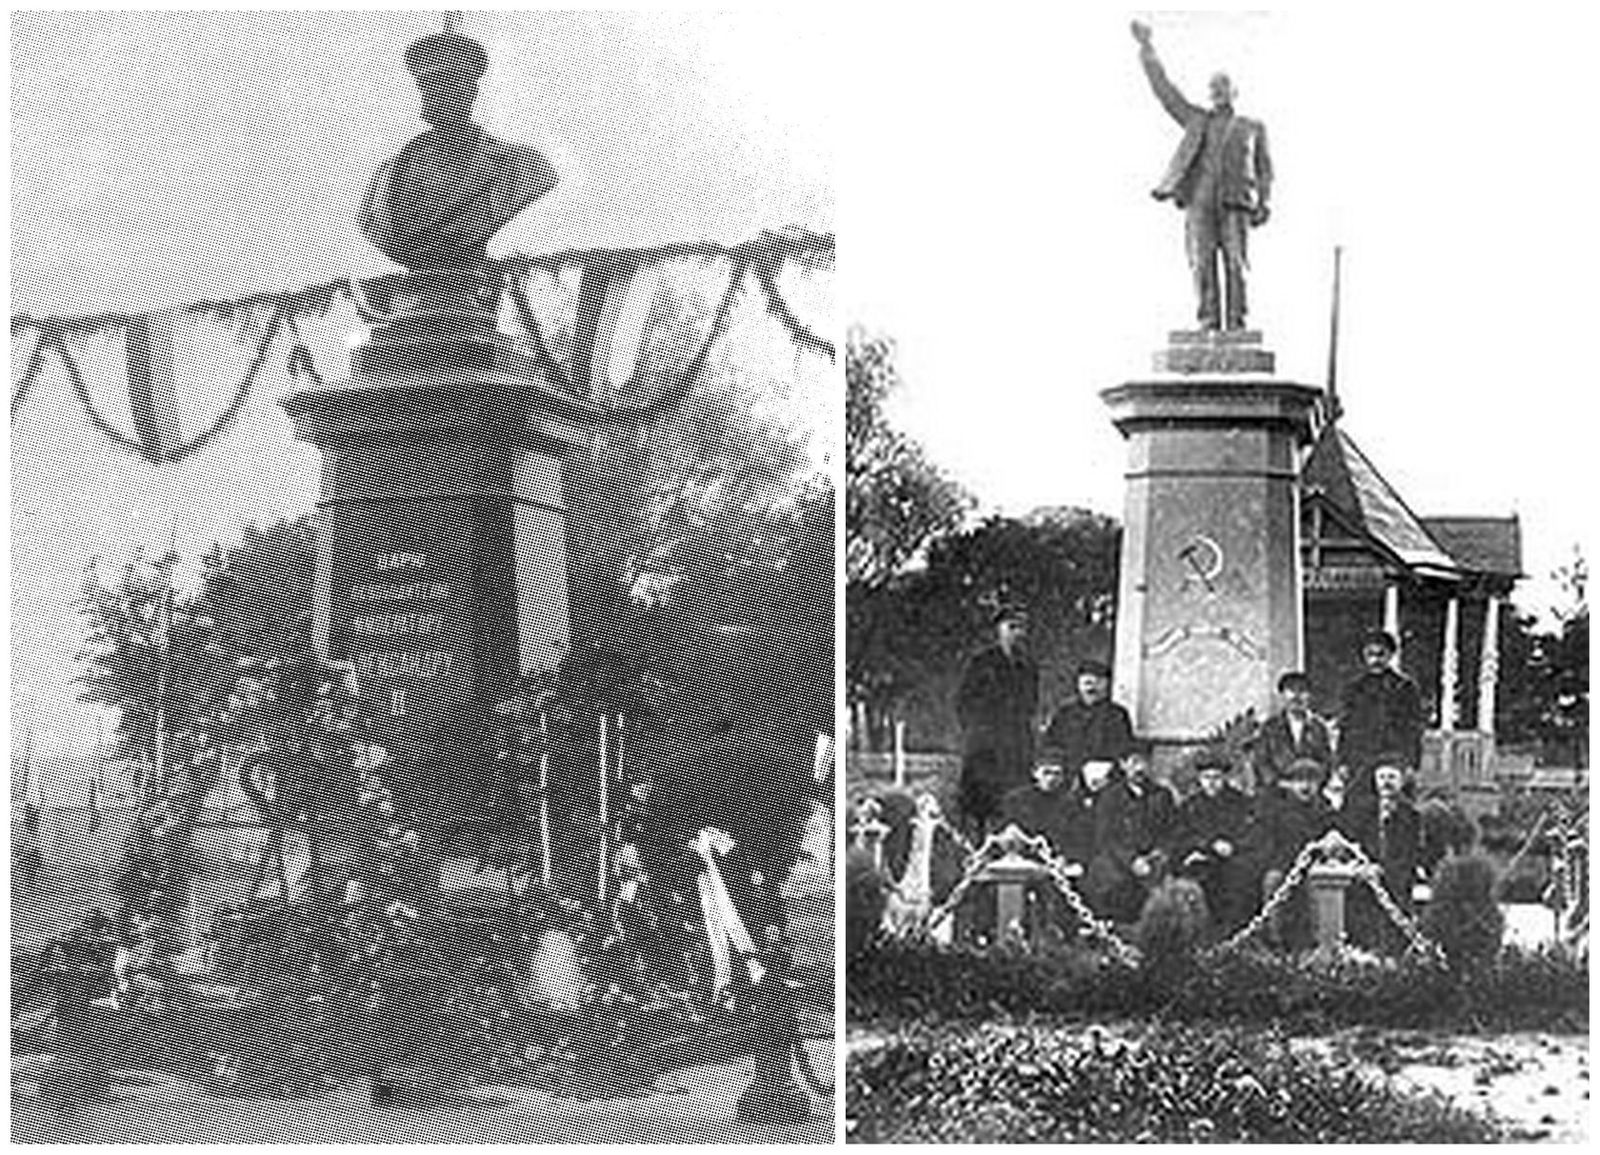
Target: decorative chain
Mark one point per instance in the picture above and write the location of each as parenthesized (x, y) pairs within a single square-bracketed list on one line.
[(1056, 868), (1364, 869), (1297, 871)]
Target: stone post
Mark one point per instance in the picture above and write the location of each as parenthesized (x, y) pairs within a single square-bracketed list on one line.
[(1328, 883), (1209, 609)]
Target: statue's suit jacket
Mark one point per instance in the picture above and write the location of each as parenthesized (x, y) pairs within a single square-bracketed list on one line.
[(1245, 181)]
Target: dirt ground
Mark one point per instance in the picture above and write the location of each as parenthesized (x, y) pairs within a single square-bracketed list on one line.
[(1537, 1083), (695, 1105)]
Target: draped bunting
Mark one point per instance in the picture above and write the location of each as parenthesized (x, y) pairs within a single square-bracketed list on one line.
[(150, 338)]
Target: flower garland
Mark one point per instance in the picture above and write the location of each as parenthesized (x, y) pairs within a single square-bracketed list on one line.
[(270, 313)]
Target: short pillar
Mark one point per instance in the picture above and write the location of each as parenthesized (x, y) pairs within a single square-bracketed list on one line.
[(1011, 875), (1328, 884)]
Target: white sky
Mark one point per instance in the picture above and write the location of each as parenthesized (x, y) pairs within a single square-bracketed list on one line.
[(158, 158), (996, 220), (987, 170)]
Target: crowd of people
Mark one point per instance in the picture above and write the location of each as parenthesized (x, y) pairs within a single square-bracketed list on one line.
[(1084, 782)]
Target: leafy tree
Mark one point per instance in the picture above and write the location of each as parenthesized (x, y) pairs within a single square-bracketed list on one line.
[(896, 500), (144, 634), (1544, 676), (909, 640)]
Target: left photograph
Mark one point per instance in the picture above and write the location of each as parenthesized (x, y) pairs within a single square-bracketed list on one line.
[(422, 578)]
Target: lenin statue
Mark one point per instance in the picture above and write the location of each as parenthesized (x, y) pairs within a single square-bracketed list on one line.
[(1221, 177), (451, 188)]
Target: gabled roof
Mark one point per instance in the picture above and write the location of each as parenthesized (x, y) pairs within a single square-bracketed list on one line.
[(1342, 475), (1490, 545)]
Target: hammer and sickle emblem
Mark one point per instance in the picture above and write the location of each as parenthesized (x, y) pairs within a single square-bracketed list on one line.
[(1203, 559)]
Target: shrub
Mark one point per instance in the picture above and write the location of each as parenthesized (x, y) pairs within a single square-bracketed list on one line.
[(1446, 828), (1169, 932), (865, 897), (894, 983), (1158, 1084), (1464, 916)]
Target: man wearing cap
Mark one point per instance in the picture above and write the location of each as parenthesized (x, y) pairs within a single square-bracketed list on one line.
[(451, 188), (1288, 817), (1389, 828), (1293, 732), (997, 702), (1103, 835), (1209, 840), (1090, 726), (1380, 716)]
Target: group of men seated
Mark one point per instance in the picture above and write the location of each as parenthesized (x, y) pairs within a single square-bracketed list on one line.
[(1128, 831), (1094, 798)]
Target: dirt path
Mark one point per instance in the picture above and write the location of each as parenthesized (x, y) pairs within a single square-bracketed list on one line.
[(148, 1107), (1537, 1083)]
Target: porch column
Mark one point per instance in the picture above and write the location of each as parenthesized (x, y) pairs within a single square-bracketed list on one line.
[(1489, 665), (1447, 664), (1391, 615)]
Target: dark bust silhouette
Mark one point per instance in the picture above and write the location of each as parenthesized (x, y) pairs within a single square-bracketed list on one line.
[(437, 203)]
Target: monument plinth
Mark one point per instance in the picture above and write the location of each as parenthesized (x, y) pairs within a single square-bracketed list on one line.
[(1208, 611), (441, 569)]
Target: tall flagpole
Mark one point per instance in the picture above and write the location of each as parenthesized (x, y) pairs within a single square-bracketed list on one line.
[(1335, 409)]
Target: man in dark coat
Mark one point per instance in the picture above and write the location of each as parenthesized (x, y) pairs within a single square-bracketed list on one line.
[(1293, 732), (1102, 836), (1090, 727), (1208, 842), (1043, 805), (1155, 814), (997, 704), (1389, 828), (1380, 714), (1291, 815)]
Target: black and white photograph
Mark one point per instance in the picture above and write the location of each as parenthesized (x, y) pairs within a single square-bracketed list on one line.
[(423, 441), (1217, 633)]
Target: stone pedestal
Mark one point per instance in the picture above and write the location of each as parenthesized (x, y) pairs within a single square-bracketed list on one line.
[(1209, 602), (441, 545), (1328, 885), (1011, 875)]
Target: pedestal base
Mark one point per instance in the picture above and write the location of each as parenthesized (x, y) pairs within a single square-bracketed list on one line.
[(1192, 351), (1209, 601)]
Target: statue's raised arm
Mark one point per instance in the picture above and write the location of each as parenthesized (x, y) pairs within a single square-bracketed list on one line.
[(1177, 105)]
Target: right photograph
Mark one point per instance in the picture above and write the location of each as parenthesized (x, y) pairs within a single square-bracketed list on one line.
[(1217, 759)]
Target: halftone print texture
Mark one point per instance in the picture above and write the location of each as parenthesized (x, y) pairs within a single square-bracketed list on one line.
[(422, 578)]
